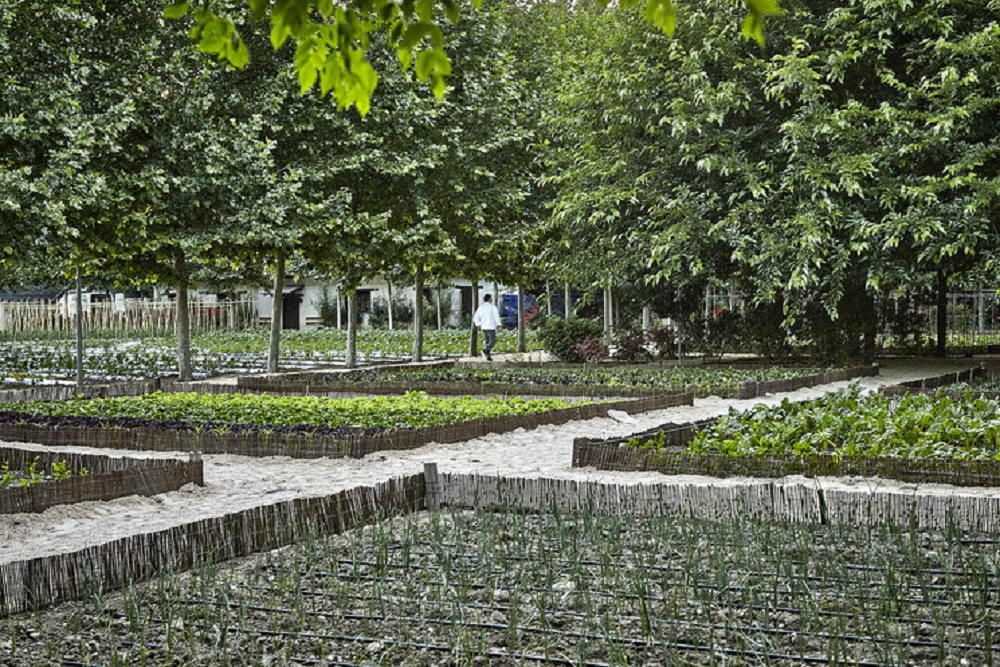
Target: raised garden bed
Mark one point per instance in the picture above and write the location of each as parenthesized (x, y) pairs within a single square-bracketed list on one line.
[(555, 380), (570, 588), (67, 392), (295, 435), (91, 477), (911, 437)]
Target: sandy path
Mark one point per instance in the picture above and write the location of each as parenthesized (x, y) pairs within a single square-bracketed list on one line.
[(235, 483)]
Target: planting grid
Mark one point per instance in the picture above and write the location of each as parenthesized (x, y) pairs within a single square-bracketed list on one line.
[(473, 587)]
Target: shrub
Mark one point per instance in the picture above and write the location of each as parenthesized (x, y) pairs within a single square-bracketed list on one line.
[(663, 342), (402, 313), (630, 346), (591, 349), (558, 336)]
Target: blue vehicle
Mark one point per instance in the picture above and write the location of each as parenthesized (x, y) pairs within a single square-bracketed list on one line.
[(508, 309)]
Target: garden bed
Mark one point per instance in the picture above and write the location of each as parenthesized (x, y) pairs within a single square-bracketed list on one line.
[(911, 437), (556, 380), (295, 435), (568, 587), (67, 392), (91, 477), (221, 352)]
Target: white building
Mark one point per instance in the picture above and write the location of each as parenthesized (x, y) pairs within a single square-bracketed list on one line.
[(304, 302)]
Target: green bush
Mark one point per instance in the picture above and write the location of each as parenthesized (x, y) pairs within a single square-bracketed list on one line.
[(559, 336)]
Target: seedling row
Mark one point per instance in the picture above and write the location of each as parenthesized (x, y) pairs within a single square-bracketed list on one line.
[(218, 352), (476, 587)]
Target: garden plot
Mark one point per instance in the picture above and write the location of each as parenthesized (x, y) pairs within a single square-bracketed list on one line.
[(916, 437), (298, 426), (508, 588), (559, 380), (33, 480), (216, 353)]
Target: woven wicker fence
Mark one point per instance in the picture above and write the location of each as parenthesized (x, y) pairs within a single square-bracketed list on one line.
[(932, 384), (306, 446), (780, 500), (926, 471), (756, 389), (107, 478), (67, 392), (29, 584)]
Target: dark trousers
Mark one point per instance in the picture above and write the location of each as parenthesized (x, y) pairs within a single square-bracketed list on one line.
[(489, 340)]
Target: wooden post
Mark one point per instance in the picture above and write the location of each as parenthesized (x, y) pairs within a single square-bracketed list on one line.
[(432, 487)]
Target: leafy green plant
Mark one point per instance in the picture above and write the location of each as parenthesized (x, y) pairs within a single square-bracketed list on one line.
[(413, 410), (850, 423), (559, 336), (60, 470)]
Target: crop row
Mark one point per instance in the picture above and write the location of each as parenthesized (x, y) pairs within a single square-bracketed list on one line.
[(703, 380), (850, 423), (218, 352), (474, 587), (227, 412)]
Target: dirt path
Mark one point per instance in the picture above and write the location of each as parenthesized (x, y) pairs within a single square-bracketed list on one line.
[(237, 482)]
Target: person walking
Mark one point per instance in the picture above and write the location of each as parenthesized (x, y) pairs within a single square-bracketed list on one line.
[(487, 318)]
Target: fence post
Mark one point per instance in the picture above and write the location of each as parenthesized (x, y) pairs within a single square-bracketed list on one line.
[(432, 487)]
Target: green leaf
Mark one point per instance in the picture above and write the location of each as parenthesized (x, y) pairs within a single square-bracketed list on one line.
[(451, 10), (176, 10), (753, 28), (425, 10), (413, 34), (405, 58), (662, 14), (432, 62), (753, 24)]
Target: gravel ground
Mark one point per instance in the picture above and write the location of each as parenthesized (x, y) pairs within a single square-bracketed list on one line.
[(234, 483)]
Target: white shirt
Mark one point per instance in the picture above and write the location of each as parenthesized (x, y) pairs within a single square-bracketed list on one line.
[(487, 316)]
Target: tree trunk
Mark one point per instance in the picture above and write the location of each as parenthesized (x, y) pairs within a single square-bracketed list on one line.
[(418, 315), (567, 298), (388, 286), (646, 319), (277, 312), (437, 296), (607, 315), (183, 323), (548, 299), (351, 360), (79, 329), (521, 343), (474, 332), (942, 313), (339, 323)]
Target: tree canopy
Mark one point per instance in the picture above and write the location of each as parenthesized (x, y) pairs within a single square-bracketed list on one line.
[(332, 39)]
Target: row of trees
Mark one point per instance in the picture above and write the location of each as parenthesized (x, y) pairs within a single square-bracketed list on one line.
[(129, 156), (857, 155)]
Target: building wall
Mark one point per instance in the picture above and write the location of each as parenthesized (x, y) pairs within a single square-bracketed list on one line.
[(312, 294)]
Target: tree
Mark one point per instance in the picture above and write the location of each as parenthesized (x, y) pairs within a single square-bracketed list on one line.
[(332, 39)]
